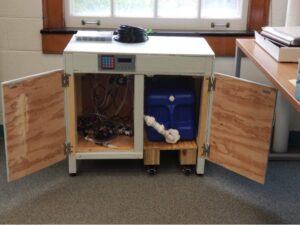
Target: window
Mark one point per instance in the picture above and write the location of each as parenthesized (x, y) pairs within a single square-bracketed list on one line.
[(159, 14)]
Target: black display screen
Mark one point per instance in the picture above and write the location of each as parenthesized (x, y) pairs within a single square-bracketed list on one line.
[(124, 60)]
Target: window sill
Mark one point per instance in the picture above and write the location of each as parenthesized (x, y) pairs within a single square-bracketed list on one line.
[(222, 42)]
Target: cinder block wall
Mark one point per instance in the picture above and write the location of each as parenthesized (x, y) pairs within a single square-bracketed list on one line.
[(20, 41)]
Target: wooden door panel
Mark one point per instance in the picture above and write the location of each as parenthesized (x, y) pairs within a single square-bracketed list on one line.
[(34, 123), (241, 126)]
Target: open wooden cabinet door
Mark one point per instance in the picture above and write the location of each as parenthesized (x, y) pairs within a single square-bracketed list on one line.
[(33, 123), (241, 126)]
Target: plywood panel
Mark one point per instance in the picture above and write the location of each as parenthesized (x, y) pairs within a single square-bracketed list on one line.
[(72, 113), (34, 123), (151, 145), (91, 84), (280, 74), (120, 143), (151, 157), (241, 126), (203, 117), (188, 157)]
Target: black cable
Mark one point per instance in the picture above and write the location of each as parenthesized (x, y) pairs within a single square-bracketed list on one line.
[(129, 34)]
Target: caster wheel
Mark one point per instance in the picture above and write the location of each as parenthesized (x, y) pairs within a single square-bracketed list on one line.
[(187, 171), (199, 174), (73, 174), (152, 170)]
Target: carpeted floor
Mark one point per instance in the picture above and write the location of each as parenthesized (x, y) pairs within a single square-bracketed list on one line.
[(121, 192)]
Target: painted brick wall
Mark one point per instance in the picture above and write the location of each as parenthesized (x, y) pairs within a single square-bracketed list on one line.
[(20, 41)]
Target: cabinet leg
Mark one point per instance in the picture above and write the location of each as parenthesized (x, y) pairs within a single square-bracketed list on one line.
[(200, 166), (188, 157), (72, 165), (151, 157)]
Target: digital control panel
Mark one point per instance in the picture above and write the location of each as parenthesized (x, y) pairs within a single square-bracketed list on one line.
[(118, 63)]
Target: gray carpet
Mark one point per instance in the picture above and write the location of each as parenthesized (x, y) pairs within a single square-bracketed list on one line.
[(121, 192)]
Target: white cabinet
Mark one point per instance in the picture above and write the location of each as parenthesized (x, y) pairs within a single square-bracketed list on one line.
[(41, 111)]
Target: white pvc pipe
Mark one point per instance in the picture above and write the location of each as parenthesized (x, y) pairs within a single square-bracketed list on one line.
[(293, 13), (172, 136)]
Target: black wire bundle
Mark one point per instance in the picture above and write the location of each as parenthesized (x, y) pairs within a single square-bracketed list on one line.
[(108, 119), (129, 34)]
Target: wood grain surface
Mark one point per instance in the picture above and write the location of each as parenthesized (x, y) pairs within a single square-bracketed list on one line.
[(188, 157), (53, 13), (34, 123), (151, 157), (280, 74), (258, 15), (223, 46), (242, 118), (160, 145), (203, 116), (120, 143), (72, 113), (55, 43), (187, 149)]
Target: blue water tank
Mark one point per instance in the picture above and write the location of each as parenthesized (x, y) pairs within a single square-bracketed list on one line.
[(171, 100)]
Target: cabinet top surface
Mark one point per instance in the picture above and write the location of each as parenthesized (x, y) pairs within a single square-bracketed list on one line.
[(186, 46)]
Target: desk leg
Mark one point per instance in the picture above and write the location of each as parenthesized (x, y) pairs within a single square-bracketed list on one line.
[(238, 60), (282, 129)]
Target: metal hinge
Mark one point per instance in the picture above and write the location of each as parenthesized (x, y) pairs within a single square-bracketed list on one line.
[(65, 80), (67, 148), (211, 84), (206, 150)]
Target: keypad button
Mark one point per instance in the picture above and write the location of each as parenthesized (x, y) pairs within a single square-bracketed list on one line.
[(108, 62)]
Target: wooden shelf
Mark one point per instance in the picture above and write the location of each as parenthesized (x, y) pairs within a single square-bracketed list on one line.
[(187, 149), (121, 143), (187, 145)]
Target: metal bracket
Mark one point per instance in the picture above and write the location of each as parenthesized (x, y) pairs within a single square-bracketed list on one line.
[(212, 84), (67, 149), (97, 22), (65, 80), (206, 150), (215, 25)]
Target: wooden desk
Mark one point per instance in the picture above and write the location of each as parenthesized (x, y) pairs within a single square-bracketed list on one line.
[(282, 75)]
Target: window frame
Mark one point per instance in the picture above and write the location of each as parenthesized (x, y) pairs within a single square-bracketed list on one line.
[(156, 23), (55, 35)]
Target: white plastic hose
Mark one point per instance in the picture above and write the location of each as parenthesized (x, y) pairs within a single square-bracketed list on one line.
[(172, 136)]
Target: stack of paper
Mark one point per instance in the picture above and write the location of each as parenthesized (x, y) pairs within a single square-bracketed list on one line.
[(284, 36)]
